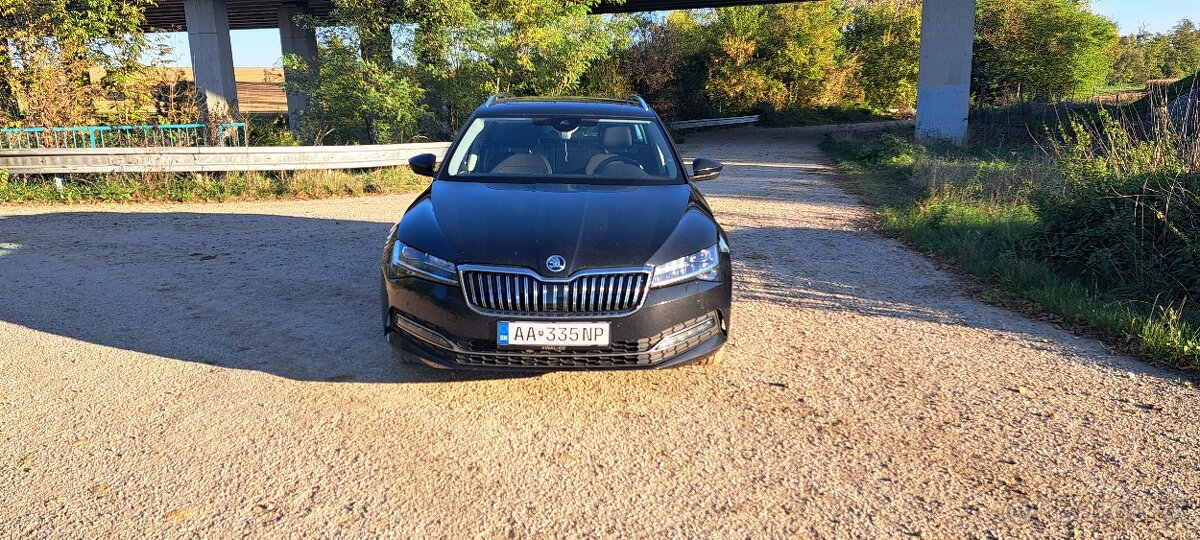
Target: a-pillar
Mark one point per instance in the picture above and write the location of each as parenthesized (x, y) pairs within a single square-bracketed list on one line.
[(944, 80), (298, 40), (212, 58)]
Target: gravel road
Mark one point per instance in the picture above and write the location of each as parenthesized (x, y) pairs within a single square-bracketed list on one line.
[(215, 370)]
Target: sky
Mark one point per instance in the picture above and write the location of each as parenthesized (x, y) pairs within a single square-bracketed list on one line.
[(260, 48), (1156, 15)]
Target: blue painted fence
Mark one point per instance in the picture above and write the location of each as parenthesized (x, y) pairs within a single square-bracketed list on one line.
[(176, 135)]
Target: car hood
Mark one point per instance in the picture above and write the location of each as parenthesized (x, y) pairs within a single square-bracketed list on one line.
[(591, 226)]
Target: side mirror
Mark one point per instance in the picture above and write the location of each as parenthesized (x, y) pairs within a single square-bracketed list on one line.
[(705, 169), (423, 164)]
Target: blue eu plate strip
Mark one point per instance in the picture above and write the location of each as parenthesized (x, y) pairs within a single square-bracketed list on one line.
[(502, 333)]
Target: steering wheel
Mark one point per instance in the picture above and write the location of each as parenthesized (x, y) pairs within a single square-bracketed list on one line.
[(614, 159)]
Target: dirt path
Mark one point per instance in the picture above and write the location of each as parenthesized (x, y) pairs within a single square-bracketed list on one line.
[(214, 370)]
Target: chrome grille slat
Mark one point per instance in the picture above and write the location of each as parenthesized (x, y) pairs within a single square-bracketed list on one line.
[(519, 293)]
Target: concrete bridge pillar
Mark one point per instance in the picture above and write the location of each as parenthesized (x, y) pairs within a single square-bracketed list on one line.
[(212, 58), (301, 41), (944, 80)]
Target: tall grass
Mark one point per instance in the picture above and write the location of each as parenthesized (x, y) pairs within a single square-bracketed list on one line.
[(173, 187), (1097, 222), (1127, 213)]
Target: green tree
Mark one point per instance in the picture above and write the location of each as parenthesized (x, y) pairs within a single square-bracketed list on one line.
[(1041, 49), (607, 78), (533, 47), (669, 62), (50, 46), (739, 78), (806, 44), (1158, 49), (885, 38), (1142, 56), (1130, 62), (781, 55), (1183, 55), (352, 100)]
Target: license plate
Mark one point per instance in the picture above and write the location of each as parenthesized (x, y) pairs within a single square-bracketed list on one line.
[(555, 334)]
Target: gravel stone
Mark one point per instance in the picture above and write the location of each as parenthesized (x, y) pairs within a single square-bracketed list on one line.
[(218, 370)]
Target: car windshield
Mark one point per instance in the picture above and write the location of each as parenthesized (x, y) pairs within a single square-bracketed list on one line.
[(564, 149)]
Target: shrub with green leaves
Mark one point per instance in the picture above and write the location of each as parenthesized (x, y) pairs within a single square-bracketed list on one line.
[(886, 37), (1140, 233), (1128, 215), (1040, 49), (352, 100)]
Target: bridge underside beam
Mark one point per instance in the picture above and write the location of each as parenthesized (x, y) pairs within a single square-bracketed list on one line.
[(168, 15)]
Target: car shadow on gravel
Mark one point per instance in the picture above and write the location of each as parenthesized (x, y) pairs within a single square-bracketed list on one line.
[(294, 297)]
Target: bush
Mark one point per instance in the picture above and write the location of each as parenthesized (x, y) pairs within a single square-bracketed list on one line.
[(352, 100), (1128, 215), (270, 130), (1140, 234)]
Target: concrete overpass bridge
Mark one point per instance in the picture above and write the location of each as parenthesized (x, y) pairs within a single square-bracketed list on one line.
[(943, 83)]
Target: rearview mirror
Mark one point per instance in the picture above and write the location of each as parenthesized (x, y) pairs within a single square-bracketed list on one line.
[(423, 164), (705, 169)]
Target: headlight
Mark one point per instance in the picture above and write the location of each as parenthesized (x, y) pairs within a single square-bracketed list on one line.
[(702, 264), (417, 262)]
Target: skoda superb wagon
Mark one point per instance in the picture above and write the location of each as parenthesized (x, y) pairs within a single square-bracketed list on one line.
[(558, 233)]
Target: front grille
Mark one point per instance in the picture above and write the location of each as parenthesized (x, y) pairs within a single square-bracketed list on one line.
[(499, 292)]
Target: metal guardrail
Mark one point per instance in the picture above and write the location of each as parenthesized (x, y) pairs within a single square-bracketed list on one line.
[(210, 159), (169, 135), (714, 122), (287, 158)]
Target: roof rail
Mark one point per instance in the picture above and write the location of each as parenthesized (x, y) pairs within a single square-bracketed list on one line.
[(637, 100), (499, 96)]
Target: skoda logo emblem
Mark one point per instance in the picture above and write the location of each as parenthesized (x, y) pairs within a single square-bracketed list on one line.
[(556, 263)]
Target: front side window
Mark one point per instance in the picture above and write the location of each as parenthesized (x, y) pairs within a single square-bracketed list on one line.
[(564, 149)]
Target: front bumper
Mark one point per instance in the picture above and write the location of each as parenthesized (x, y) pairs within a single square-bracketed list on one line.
[(449, 334)]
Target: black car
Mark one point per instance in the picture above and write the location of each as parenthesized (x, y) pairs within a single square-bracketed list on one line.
[(558, 233)]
